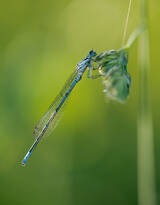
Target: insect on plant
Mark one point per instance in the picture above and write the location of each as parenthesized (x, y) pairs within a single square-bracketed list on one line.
[(112, 68)]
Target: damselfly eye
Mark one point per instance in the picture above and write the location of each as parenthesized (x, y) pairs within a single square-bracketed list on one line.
[(92, 53)]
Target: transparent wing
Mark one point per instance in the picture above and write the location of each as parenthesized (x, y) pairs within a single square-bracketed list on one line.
[(45, 118), (50, 119)]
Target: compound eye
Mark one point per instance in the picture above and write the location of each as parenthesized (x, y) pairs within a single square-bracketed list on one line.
[(92, 53)]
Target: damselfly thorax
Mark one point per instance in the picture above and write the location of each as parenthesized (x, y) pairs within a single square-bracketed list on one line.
[(86, 62)]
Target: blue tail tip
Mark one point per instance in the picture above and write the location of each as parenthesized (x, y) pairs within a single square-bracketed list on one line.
[(23, 163)]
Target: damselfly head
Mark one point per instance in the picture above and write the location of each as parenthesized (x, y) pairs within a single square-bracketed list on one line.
[(92, 54), (112, 66)]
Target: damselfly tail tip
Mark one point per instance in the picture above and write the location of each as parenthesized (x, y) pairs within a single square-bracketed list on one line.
[(26, 158), (23, 163)]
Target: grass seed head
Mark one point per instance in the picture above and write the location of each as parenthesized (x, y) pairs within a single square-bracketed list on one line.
[(112, 66)]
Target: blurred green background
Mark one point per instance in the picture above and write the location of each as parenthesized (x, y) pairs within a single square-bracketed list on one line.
[(91, 157)]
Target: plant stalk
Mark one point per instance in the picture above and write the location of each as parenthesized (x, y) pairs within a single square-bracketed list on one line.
[(146, 171)]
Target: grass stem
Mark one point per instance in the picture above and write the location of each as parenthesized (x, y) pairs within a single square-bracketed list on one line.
[(146, 172)]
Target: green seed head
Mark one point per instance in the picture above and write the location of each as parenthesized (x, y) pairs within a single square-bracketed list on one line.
[(112, 66)]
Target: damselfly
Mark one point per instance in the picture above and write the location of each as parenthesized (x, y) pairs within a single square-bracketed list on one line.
[(50, 118)]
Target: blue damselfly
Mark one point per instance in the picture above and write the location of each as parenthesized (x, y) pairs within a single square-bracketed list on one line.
[(51, 117)]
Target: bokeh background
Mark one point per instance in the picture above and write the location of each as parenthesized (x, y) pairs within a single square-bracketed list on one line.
[(91, 157)]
